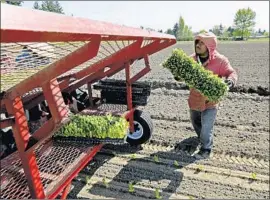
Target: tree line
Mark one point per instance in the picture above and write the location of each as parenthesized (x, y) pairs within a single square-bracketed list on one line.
[(49, 6), (242, 28)]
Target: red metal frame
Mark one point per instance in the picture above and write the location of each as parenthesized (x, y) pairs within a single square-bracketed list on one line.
[(66, 191), (19, 25), (75, 172), (129, 97), (22, 135)]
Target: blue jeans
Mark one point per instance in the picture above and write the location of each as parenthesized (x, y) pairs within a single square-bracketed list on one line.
[(203, 123)]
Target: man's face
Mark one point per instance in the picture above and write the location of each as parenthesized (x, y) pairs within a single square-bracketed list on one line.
[(200, 47)]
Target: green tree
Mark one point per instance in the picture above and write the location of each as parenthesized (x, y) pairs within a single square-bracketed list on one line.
[(244, 21), (230, 31), (226, 34), (175, 29), (169, 31), (266, 34), (181, 27), (216, 30), (50, 6), (14, 2), (189, 33), (36, 6), (186, 31), (221, 29)]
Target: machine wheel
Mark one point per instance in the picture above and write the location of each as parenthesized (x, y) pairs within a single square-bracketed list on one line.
[(143, 128)]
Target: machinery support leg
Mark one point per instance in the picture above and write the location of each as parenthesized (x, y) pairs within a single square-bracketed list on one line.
[(129, 97), (66, 191), (21, 135)]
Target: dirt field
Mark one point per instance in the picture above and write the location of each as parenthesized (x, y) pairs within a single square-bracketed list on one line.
[(239, 167), (250, 59)]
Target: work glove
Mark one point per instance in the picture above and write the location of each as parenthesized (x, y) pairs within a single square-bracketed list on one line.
[(229, 83)]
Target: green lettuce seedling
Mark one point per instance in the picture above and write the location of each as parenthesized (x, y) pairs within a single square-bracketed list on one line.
[(156, 158), (157, 194), (130, 187), (95, 127), (196, 76)]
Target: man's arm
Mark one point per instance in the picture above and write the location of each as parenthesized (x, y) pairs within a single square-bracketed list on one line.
[(228, 72)]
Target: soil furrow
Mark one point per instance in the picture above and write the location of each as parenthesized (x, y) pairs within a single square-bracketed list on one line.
[(186, 123), (142, 190), (217, 160), (232, 112), (148, 163), (170, 180), (197, 165)]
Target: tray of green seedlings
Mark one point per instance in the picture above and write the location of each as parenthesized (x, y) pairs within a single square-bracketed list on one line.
[(196, 76), (93, 129)]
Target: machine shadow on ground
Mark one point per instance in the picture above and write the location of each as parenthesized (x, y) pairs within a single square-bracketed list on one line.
[(140, 174)]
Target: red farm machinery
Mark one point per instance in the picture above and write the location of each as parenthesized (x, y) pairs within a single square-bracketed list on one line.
[(47, 61)]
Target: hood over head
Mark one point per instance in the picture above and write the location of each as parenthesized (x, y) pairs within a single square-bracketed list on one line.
[(210, 41)]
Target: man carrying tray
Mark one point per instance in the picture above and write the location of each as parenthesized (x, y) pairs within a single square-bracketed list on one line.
[(202, 112)]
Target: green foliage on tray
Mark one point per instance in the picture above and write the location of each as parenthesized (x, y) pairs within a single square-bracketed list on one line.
[(195, 75), (100, 127)]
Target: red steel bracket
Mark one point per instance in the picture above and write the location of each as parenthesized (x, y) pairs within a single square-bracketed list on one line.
[(21, 135)]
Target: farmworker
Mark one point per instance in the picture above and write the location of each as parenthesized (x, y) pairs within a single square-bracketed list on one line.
[(202, 112)]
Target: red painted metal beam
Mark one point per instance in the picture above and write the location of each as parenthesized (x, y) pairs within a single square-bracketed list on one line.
[(81, 165), (61, 66), (66, 191), (21, 130), (42, 133), (114, 58), (125, 55), (22, 22), (53, 95), (142, 72), (21, 135), (96, 71), (156, 46), (129, 97), (95, 76)]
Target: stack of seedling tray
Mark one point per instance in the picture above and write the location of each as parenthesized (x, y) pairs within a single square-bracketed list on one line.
[(115, 92)]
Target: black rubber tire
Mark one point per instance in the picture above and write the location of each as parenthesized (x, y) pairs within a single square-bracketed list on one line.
[(144, 119)]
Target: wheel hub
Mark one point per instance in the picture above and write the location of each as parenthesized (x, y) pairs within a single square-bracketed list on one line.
[(138, 131)]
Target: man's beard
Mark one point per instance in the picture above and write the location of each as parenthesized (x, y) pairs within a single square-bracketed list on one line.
[(203, 55)]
